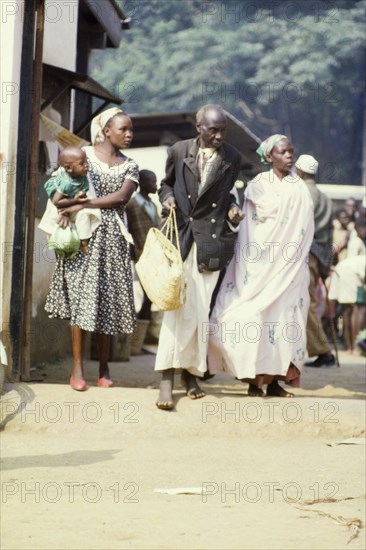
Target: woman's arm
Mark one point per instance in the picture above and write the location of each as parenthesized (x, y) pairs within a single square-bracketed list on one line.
[(113, 200)]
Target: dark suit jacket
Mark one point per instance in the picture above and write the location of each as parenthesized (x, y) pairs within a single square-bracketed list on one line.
[(202, 217)]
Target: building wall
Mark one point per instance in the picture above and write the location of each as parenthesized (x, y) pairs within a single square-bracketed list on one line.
[(50, 338), (11, 27), (150, 158), (60, 34)]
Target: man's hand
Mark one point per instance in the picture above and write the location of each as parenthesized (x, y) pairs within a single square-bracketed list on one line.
[(168, 204), (235, 215)]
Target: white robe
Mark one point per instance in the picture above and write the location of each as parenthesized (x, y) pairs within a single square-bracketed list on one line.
[(258, 325)]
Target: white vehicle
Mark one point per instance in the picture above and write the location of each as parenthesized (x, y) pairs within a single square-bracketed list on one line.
[(340, 193)]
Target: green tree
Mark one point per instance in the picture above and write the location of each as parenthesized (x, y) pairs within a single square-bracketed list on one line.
[(295, 67)]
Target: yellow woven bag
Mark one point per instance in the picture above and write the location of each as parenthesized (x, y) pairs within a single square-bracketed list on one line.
[(160, 266)]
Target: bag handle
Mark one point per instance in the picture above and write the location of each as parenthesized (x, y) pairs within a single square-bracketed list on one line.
[(171, 229)]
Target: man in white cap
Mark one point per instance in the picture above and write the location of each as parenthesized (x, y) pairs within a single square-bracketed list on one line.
[(319, 261)]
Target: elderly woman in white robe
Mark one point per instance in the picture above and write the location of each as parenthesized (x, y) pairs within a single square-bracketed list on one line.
[(257, 330)]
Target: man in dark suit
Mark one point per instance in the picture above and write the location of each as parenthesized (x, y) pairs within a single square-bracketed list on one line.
[(200, 174)]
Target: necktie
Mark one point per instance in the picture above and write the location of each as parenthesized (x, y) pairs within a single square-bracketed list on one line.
[(205, 155)]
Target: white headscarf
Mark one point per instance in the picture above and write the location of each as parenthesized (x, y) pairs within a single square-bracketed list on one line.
[(99, 122)]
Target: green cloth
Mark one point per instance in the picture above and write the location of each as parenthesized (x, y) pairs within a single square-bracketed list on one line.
[(64, 241), (62, 182), (267, 145)]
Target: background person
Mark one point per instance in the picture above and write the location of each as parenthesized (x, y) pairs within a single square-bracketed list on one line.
[(347, 288), (351, 207), (320, 257), (342, 227), (142, 215)]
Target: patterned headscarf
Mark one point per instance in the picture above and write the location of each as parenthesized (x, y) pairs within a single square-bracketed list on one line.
[(267, 145), (99, 122)]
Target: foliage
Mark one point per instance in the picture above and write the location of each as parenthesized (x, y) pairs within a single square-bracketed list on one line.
[(295, 67)]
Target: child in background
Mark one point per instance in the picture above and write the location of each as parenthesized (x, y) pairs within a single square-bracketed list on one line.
[(69, 186), (142, 215)]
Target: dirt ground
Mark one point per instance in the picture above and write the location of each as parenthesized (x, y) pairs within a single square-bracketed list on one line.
[(81, 470)]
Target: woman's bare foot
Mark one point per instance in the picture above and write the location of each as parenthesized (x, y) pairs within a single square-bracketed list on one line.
[(104, 380), (254, 391), (193, 390), (77, 381), (165, 401), (275, 390)]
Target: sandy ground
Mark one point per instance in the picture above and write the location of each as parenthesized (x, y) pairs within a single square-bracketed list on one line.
[(80, 470)]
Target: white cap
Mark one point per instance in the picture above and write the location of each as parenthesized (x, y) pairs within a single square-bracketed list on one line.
[(307, 164)]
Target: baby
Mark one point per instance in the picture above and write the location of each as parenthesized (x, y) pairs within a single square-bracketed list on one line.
[(69, 186)]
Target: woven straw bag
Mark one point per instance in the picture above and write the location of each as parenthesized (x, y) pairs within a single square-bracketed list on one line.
[(160, 266)]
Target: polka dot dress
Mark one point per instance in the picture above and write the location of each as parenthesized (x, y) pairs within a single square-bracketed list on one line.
[(94, 290)]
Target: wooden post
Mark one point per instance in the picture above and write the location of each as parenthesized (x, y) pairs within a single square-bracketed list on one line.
[(22, 158), (32, 182)]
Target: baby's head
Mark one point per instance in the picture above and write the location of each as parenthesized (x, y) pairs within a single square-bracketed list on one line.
[(74, 161)]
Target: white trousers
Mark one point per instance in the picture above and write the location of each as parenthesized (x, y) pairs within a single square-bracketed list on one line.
[(184, 332)]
